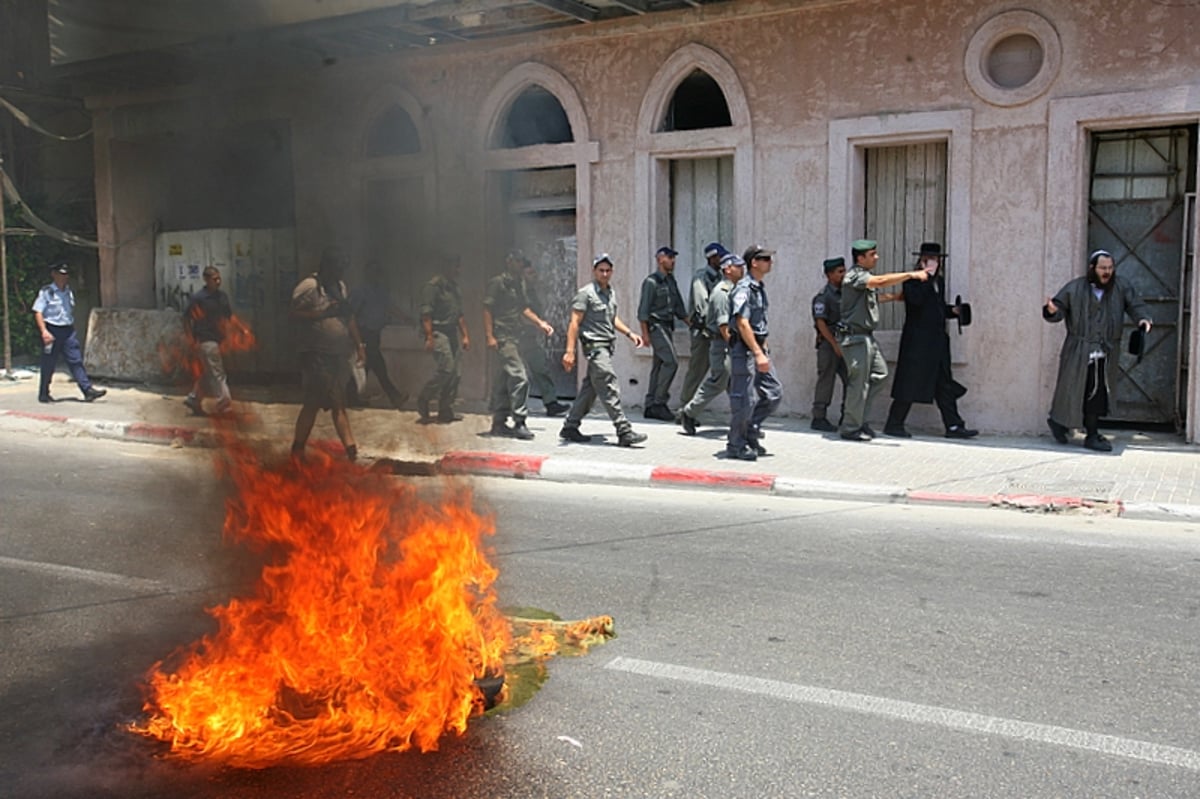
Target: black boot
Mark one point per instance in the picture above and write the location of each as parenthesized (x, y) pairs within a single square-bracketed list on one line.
[(519, 429)]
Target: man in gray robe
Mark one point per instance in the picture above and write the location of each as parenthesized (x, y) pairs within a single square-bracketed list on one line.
[(1093, 308)]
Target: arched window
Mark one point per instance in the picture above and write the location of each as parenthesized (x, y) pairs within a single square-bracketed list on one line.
[(393, 133), (697, 103), (535, 117)]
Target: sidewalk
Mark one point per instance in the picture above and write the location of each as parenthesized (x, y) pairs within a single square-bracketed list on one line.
[(1148, 476)]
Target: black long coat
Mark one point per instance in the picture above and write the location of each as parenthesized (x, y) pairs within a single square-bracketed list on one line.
[(924, 344)]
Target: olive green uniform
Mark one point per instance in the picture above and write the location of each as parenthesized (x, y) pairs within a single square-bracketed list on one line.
[(597, 335), (506, 301), (442, 303), (865, 367), (537, 363)]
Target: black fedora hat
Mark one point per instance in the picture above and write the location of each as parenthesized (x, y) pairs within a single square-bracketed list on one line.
[(1137, 343), (931, 248), (964, 312)]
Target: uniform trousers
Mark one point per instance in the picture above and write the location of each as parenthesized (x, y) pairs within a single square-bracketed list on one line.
[(67, 345), (698, 366), (447, 371), (599, 382), (830, 367), (663, 367), (717, 381), (865, 372), (510, 384), (537, 368), (753, 396)]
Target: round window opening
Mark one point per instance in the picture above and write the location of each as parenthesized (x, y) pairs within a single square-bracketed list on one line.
[(1014, 61)]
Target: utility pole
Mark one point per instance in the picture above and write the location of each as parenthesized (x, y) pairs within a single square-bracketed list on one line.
[(8, 372)]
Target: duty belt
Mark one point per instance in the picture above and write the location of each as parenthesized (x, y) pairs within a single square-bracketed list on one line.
[(595, 346)]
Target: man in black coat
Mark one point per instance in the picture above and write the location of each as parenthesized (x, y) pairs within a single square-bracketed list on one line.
[(923, 366)]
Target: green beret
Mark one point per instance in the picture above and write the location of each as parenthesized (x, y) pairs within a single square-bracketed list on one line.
[(862, 245), (833, 263)]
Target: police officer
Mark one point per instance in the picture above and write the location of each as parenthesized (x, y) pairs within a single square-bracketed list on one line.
[(445, 332), (505, 311), (595, 325), (54, 312), (703, 281), (659, 307), (826, 313), (865, 367), (537, 365), (754, 389), (717, 327)]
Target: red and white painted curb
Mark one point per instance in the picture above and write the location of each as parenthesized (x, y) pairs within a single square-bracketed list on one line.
[(575, 470)]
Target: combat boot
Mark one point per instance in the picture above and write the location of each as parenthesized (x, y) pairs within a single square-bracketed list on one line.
[(627, 438), (520, 431), (573, 435), (500, 428)]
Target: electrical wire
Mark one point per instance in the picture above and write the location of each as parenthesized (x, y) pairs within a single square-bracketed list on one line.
[(28, 122)]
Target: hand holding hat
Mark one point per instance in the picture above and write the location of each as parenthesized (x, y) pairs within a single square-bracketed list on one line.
[(963, 311)]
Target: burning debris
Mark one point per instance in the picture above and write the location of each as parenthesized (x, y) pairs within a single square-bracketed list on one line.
[(373, 627)]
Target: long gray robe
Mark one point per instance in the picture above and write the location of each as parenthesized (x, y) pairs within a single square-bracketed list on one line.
[(1091, 324)]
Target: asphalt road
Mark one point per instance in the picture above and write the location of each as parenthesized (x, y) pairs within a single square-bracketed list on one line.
[(766, 647)]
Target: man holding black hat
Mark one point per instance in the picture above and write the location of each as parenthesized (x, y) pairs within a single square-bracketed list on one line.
[(754, 389), (660, 305), (865, 367), (54, 312), (826, 313), (1093, 308), (703, 281), (923, 365), (594, 325)]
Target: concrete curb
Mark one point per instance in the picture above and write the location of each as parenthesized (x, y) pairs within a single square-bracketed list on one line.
[(571, 470)]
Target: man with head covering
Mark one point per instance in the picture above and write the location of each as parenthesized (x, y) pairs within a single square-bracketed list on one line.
[(703, 281), (505, 311), (923, 365), (446, 338), (826, 313), (733, 268), (660, 305), (754, 388), (865, 367), (54, 313), (1093, 308), (594, 326)]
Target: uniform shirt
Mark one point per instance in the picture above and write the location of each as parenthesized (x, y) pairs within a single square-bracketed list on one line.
[(206, 313), (703, 281), (441, 301), (599, 309), (749, 300), (505, 299), (330, 334), (860, 306), (57, 306), (660, 301), (827, 305), (718, 308)]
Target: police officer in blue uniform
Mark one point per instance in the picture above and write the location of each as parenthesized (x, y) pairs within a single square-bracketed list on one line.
[(754, 388), (54, 312)]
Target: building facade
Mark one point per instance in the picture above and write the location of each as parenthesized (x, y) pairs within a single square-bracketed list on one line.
[(1021, 137)]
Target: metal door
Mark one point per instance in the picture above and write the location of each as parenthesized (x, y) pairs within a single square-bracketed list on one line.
[(1137, 212)]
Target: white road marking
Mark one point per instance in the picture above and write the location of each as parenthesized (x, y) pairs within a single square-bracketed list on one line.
[(85, 575), (917, 714)]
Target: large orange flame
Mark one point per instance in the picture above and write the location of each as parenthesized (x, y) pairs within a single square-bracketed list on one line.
[(365, 633)]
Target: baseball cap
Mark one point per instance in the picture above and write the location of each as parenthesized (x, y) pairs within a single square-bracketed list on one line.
[(757, 251), (600, 259), (714, 248), (60, 267), (666, 251)]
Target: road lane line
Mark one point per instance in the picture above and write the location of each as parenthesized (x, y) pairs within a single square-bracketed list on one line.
[(85, 575), (915, 713)]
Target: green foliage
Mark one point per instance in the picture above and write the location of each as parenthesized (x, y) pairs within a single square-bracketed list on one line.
[(28, 257)]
